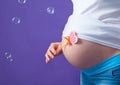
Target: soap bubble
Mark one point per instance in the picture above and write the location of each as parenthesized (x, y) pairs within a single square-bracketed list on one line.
[(11, 60), (22, 1), (50, 10), (8, 56), (16, 20)]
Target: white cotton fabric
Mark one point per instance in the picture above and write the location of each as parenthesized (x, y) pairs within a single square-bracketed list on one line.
[(96, 21)]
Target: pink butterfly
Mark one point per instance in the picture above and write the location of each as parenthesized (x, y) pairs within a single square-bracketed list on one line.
[(73, 37)]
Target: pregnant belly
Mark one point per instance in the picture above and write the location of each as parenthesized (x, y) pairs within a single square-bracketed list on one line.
[(80, 54)]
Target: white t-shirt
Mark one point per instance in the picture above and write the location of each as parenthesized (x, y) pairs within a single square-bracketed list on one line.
[(96, 20)]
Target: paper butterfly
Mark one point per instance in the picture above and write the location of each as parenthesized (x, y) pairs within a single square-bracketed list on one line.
[(72, 39)]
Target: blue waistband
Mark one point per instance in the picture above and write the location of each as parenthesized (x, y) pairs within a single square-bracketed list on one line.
[(109, 63)]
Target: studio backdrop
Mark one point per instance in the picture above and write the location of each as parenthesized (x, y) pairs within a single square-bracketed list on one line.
[(27, 27)]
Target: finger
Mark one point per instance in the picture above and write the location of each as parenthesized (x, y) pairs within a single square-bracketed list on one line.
[(53, 51), (47, 58), (46, 61), (50, 54)]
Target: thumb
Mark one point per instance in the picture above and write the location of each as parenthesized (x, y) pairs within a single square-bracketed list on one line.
[(59, 50)]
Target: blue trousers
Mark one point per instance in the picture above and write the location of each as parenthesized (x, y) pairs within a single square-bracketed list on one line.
[(108, 77), (105, 73)]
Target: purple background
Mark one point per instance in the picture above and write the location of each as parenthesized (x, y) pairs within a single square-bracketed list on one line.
[(29, 40)]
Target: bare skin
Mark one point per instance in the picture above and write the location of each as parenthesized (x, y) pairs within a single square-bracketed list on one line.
[(82, 55), (53, 50)]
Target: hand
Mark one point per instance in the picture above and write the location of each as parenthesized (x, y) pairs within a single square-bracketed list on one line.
[(53, 50)]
